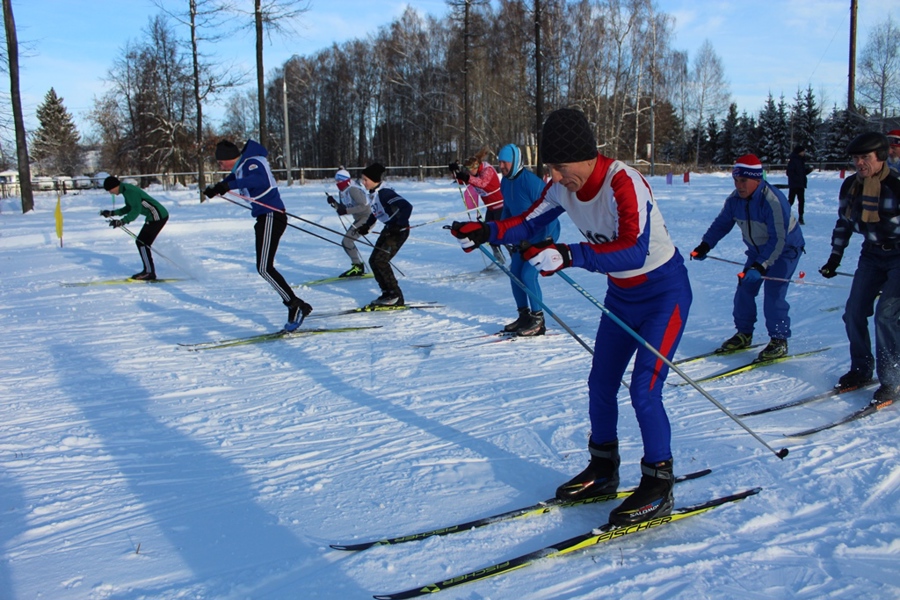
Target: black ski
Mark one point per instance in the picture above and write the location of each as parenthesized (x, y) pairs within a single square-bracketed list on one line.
[(606, 533), (697, 357), (872, 408), (535, 509), (268, 337), (808, 399), (369, 308)]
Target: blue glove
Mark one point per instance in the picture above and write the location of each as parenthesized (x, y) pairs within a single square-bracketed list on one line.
[(753, 274)]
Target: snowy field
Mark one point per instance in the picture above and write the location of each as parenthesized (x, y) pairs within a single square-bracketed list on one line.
[(132, 468)]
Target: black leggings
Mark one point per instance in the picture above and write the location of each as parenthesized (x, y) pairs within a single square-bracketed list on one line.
[(145, 240), (269, 229)]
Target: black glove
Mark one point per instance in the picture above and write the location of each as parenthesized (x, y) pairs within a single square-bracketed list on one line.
[(341, 209), (364, 228), (116, 223), (829, 269), (331, 201), (700, 251), (216, 190), (463, 175), (470, 234), (106, 213), (454, 167)]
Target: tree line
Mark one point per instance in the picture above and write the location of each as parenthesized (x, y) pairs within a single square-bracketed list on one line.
[(425, 90)]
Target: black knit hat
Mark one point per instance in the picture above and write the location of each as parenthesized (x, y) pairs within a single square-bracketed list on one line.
[(567, 137), (226, 150), (110, 183), (374, 171)]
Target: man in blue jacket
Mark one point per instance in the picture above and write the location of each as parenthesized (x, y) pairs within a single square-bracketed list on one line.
[(521, 188), (250, 173), (774, 244)]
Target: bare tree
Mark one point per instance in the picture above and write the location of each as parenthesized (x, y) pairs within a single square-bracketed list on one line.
[(271, 16), (710, 91), (878, 74), (12, 49), (204, 20)]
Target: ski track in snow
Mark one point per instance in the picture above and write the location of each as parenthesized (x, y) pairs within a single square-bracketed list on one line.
[(132, 468)]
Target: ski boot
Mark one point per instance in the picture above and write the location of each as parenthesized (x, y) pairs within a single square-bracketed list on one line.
[(601, 476), (653, 498), (524, 319)]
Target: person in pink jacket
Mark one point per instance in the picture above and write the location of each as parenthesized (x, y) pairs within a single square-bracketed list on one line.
[(482, 181)]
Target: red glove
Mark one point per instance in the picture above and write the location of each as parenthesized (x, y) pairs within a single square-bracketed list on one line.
[(470, 234), (548, 257)]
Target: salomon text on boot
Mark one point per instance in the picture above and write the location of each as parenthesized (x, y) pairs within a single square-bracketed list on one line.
[(601, 477), (653, 498)]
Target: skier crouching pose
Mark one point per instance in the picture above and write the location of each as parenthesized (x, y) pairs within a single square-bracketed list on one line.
[(614, 208)]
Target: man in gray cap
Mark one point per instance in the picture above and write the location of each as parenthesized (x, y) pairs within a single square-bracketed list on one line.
[(613, 207), (870, 205)]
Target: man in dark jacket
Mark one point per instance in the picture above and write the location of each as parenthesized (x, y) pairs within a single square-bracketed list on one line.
[(796, 174), (870, 205)]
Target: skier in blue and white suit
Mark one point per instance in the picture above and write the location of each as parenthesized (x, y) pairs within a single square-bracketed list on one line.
[(249, 172), (613, 207), (521, 188), (774, 245)]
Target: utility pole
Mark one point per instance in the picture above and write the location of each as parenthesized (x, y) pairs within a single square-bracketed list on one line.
[(851, 84)]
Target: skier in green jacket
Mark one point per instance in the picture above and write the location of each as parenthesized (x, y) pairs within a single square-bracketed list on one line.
[(137, 202)]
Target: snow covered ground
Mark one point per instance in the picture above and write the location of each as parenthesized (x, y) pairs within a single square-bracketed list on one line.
[(132, 468)]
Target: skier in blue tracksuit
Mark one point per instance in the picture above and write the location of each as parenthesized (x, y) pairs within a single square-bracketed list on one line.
[(521, 188), (774, 245), (251, 175)]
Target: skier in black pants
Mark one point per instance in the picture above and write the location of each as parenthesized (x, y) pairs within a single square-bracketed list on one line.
[(393, 211), (250, 173), (137, 202)]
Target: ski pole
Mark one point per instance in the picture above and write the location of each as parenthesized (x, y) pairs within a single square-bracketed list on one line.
[(534, 297), (172, 262), (800, 280), (537, 300), (450, 216), (315, 235), (779, 453), (286, 213), (347, 230)]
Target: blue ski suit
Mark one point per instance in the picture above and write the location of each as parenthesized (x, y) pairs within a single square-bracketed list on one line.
[(774, 240)]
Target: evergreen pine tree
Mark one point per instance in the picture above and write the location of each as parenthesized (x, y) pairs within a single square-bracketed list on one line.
[(772, 131), (728, 137), (805, 122), (711, 144), (840, 128), (746, 139), (781, 135), (55, 144)]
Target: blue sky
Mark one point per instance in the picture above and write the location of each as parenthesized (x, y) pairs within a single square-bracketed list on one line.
[(766, 45)]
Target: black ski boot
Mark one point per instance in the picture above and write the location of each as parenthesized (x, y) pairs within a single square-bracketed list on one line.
[(524, 319), (601, 476), (297, 311), (535, 325), (653, 498)]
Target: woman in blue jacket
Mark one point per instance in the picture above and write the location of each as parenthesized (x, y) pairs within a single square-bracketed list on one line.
[(521, 188)]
